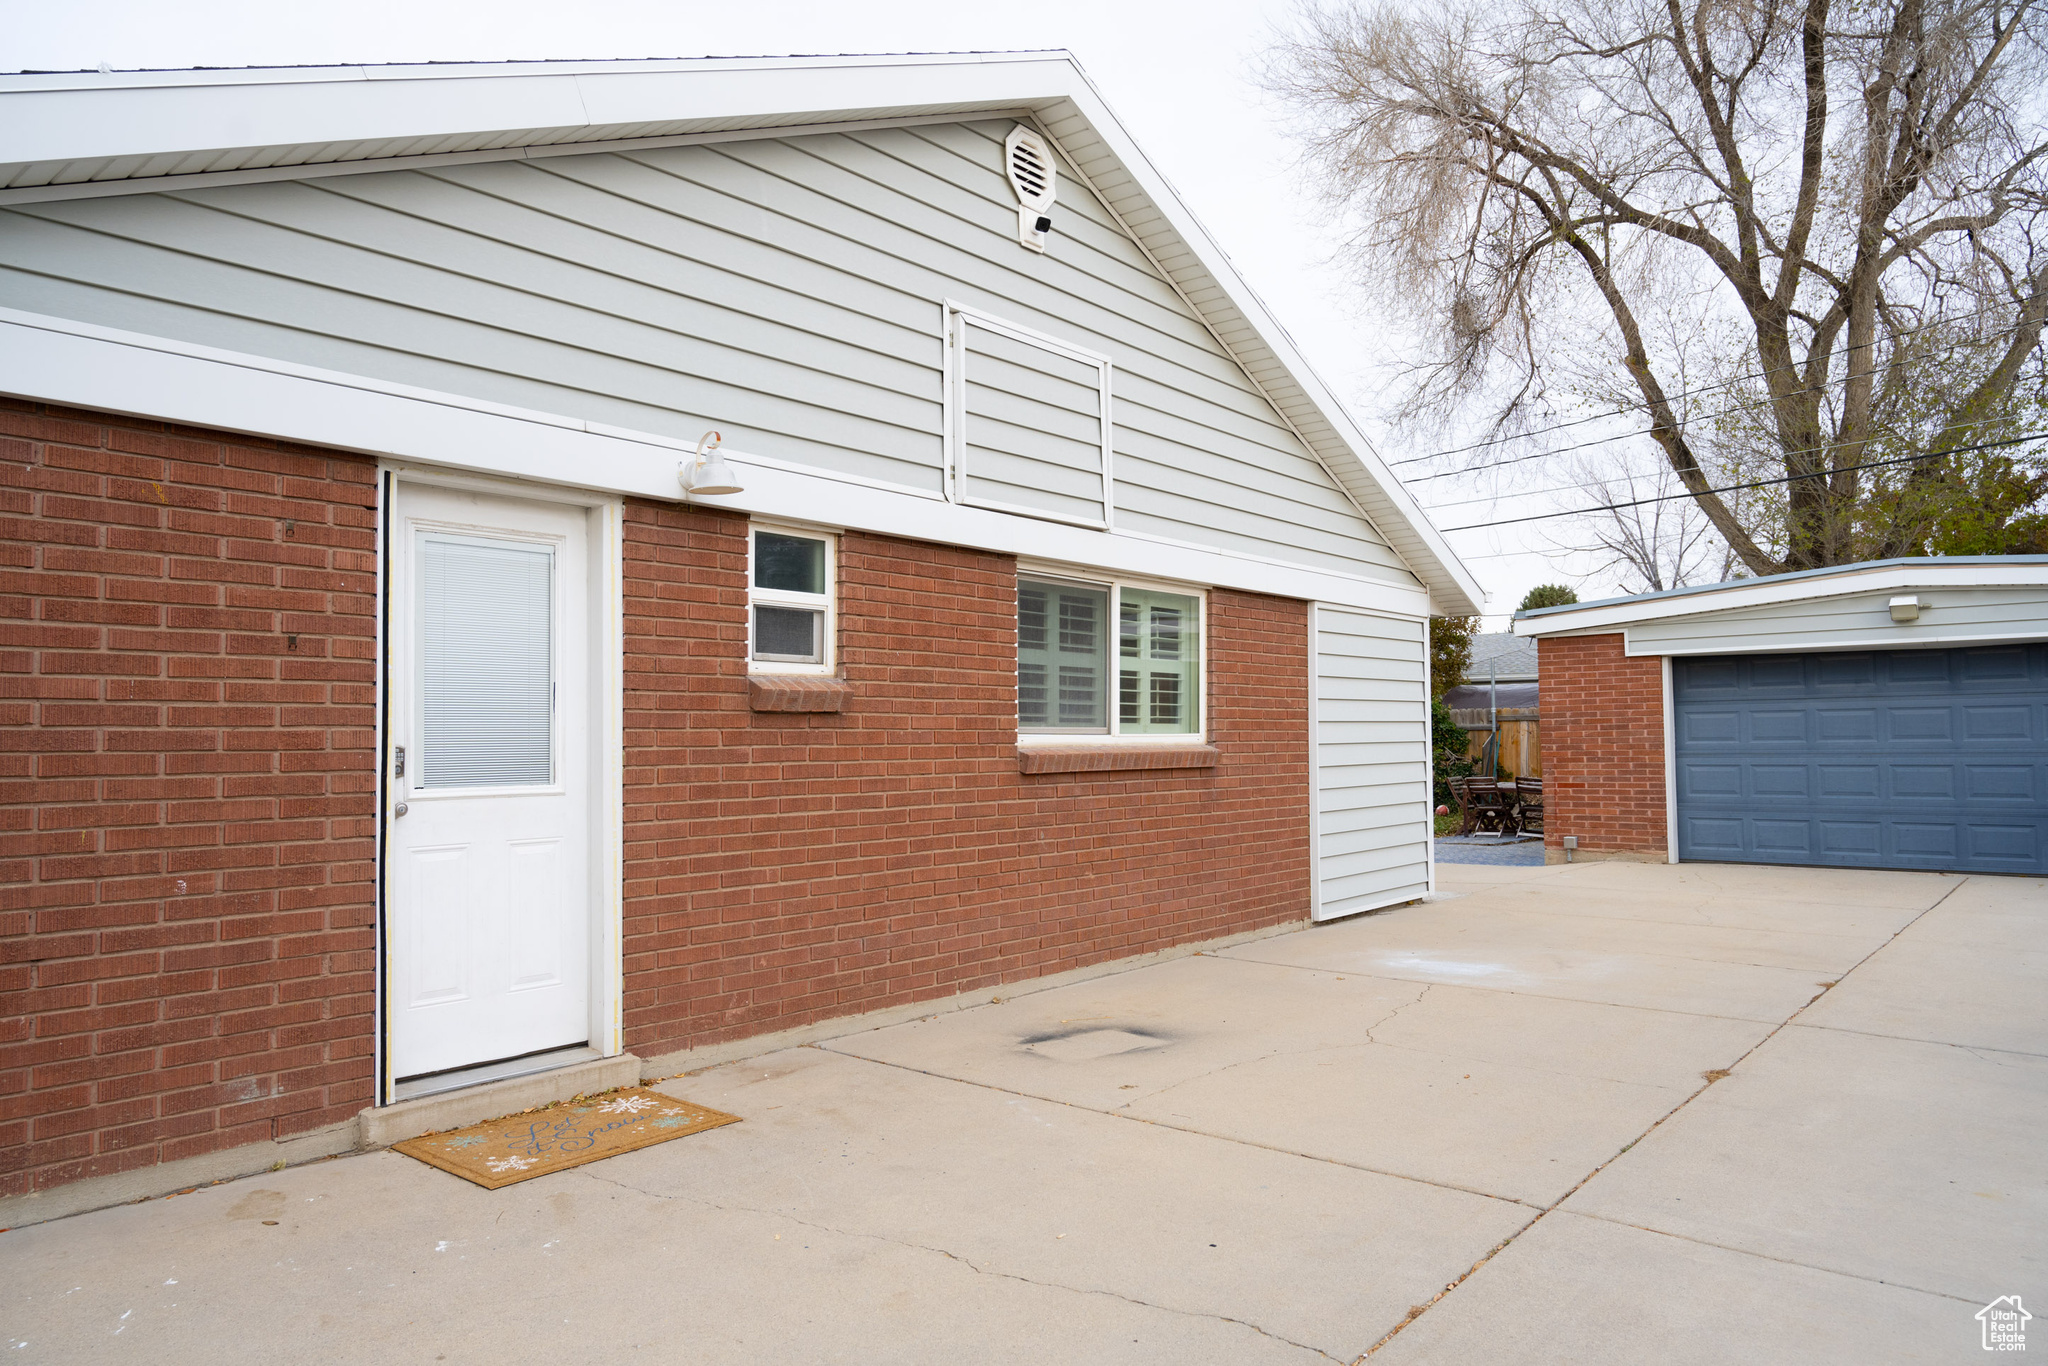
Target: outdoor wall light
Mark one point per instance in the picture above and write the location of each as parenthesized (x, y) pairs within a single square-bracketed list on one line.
[(708, 472), (1906, 609)]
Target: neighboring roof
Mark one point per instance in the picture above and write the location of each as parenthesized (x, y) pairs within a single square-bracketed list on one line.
[(91, 133), (1480, 696), (1501, 654), (1949, 571)]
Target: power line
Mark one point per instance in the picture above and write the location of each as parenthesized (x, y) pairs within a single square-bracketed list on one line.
[(1568, 488), (1758, 484), (1603, 440), (1678, 397)]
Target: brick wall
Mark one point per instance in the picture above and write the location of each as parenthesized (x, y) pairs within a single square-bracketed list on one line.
[(1603, 745), (786, 868), (186, 792)]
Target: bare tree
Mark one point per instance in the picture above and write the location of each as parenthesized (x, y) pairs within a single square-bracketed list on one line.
[(1835, 206), (1662, 541)]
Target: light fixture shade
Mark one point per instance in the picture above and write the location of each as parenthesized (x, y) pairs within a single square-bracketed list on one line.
[(1905, 609), (709, 473)]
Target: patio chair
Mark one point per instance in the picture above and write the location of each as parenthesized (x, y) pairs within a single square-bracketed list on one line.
[(1529, 805), (1489, 806)]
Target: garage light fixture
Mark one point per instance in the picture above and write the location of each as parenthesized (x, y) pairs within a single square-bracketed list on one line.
[(1906, 609), (707, 472)]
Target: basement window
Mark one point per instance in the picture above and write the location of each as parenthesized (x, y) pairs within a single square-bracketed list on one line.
[(790, 615), (1108, 659)]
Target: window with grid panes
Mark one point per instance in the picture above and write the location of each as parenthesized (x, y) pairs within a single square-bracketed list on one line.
[(1107, 660)]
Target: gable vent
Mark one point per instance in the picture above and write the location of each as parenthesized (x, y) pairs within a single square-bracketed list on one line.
[(1028, 160)]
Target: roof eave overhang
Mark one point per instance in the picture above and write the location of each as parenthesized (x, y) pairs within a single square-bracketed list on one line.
[(134, 132), (1882, 576)]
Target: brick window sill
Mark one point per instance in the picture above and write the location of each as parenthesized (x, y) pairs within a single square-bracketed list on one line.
[(1113, 759), (795, 692)]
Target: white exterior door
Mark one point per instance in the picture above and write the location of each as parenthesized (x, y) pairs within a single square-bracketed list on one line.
[(489, 893)]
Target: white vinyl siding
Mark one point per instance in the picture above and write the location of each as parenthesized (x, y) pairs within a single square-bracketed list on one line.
[(1027, 420), (1370, 724), (1858, 621), (786, 291)]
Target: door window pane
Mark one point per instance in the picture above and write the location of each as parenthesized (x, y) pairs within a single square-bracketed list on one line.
[(792, 564), (787, 634), (486, 613), (1062, 657)]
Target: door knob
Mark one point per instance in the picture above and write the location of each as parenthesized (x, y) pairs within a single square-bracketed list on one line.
[(399, 810)]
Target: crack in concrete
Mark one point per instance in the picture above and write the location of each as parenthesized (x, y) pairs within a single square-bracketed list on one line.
[(967, 1262), (1776, 1029), (1274, 1053), (1184, 1128), (1767, 1257)]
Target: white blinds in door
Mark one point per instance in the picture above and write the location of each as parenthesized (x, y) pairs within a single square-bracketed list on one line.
[(487, 663)]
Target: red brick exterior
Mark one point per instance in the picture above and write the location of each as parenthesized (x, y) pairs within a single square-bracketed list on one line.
[(1603, 745), (187, 765), (783, 869), (188, 774)]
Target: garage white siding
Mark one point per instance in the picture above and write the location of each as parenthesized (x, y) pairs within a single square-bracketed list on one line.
[(1852, 621), (1369, 717)]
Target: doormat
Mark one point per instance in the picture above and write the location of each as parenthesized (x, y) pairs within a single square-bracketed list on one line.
[(499, 1152)]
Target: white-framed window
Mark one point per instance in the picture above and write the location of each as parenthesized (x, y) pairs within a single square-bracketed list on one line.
[(1109, 658), (792, 586), (1028, 424)]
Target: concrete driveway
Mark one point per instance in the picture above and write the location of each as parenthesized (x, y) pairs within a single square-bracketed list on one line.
[(1488, 1119)]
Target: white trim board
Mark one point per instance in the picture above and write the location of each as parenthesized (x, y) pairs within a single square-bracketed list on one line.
[(81, 365), (92, 127), (1849, 581), (606, 531)]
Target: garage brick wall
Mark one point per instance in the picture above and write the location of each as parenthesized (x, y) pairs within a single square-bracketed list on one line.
[(187, 766), (784, 868), (1603, 745)]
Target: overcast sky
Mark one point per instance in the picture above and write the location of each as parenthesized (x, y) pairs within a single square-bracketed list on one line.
[(1180, 75)]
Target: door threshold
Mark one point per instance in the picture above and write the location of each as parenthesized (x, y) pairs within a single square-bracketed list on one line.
[(434, 1083)]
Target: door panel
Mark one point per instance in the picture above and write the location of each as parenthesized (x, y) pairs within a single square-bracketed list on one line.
[(1932, 759), (489, 899)]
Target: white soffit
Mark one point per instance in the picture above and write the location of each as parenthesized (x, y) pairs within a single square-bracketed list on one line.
[(88, 133), (1813, 585)]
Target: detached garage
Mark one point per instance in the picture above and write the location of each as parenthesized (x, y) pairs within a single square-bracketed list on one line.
[(1891, 714)]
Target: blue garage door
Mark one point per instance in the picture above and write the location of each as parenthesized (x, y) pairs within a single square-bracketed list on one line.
[(1933, 759)]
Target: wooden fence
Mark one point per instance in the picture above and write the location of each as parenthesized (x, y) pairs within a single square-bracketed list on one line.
[(1521, 746)]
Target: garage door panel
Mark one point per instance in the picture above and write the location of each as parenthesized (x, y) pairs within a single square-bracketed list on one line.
[(1997, 723), (1855, 725), (1709, 780), (1712, 836), (1923, 723), (1848, 782), (1778, 725), (1934, 759), (1995, 666), (1839, 671), (1851, 839), (1780, 780), (1713, 727), (1923, 782), (2000, 783)]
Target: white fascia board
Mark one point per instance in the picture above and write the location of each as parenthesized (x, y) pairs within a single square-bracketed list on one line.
[(136, 117), (1383, 496), (90, 117), (1767, 593), (56, 360)]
